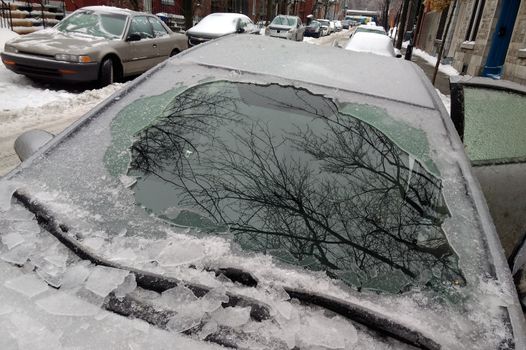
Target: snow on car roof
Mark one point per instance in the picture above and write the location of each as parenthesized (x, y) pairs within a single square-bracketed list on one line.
[(371, 43), (113, 9), (401, 80)]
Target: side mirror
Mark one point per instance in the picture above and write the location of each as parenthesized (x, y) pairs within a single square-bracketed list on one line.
[(133, 37), (30, 142)]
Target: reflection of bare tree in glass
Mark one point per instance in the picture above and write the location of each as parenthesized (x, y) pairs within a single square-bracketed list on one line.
[(320, 188)]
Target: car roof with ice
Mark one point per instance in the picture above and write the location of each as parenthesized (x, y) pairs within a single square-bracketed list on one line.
[(75, 237), (399, 80)]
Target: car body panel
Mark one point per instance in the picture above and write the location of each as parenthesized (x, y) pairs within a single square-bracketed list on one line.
[(89, 193), (372, 43)]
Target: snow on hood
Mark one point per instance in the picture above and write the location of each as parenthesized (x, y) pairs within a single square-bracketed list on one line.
[(52, 41)]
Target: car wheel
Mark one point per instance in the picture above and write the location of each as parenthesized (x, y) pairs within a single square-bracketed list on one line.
[(107, 72), (174, 52)]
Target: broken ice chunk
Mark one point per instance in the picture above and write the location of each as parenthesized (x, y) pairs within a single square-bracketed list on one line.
[(75, 275), (64, 304), (186, 318), (93, 243), (7, 188), (209, 328), (329, 333), (18, 255), (127, 181), (126, 254), (232, 316), (177, 298), (26, 227), (32, 334), (180, 253), (126, 287), (103, 280), (28, 285), (212, 300), (12, 239)]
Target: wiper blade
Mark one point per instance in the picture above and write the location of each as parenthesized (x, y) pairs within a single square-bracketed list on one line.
[(130, 306), (145, 279)]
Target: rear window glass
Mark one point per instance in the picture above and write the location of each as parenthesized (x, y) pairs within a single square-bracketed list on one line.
[(287, 173), (494, 125), (103, 25), (285, 21)]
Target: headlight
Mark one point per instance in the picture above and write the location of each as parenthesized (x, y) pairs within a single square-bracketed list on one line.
[(73, 58), (10, 48)]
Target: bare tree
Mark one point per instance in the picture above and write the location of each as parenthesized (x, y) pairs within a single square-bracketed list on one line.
[(324, 190)]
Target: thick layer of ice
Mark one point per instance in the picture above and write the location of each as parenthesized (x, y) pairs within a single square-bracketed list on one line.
[(103, 280), (12, 239), (28, 285), (64, 304), (232, 316)]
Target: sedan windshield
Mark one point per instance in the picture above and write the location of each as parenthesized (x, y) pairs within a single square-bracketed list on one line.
[(103, 25), (289, 174), (284, 21)]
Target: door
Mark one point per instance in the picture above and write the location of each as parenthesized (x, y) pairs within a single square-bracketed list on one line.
[(501, 38), (142, 51)]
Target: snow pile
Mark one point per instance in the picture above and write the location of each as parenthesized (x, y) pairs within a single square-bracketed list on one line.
[(432, 60)]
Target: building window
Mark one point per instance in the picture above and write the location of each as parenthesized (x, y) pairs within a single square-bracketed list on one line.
[(168, 2), (474, 21)]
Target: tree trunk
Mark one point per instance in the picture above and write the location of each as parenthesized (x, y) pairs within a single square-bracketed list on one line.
[(188, 13)]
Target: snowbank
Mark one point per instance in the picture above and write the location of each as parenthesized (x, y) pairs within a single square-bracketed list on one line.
[(432, 60)]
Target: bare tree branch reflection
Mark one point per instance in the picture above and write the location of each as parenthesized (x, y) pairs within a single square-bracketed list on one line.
[(291, 176)]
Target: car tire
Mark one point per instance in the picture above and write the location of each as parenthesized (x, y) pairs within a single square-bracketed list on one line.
[(107, 72), (174, 52)]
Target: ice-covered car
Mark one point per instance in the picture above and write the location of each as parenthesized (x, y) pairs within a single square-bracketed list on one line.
[(218, 24), (372, 43), (325, 26), (251, 204), (313, 29), (286, 27), (97, 43), (368, 28)]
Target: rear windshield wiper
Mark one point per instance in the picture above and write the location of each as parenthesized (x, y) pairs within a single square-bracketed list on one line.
[(134, 307)]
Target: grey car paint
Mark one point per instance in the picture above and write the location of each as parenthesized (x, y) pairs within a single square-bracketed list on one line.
[(134, 57)]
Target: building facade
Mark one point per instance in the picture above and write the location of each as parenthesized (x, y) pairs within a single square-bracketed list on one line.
[(487, 37)]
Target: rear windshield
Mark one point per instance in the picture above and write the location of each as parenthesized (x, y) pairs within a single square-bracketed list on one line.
[(104, 25), (287, 173), (284, 20)]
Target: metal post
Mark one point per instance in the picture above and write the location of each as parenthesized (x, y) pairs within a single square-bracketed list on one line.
[(439, 58)]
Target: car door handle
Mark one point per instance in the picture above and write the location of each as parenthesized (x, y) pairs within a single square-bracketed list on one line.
[(155, 45)]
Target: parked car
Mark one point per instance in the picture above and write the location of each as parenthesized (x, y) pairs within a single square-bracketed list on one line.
[(286, 27), (372, 43), (346, 22), (314, 29), (332, 27), (96, 43), (366, 28), (325, 26), (268, 209), (338, 26), (219, 24)]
